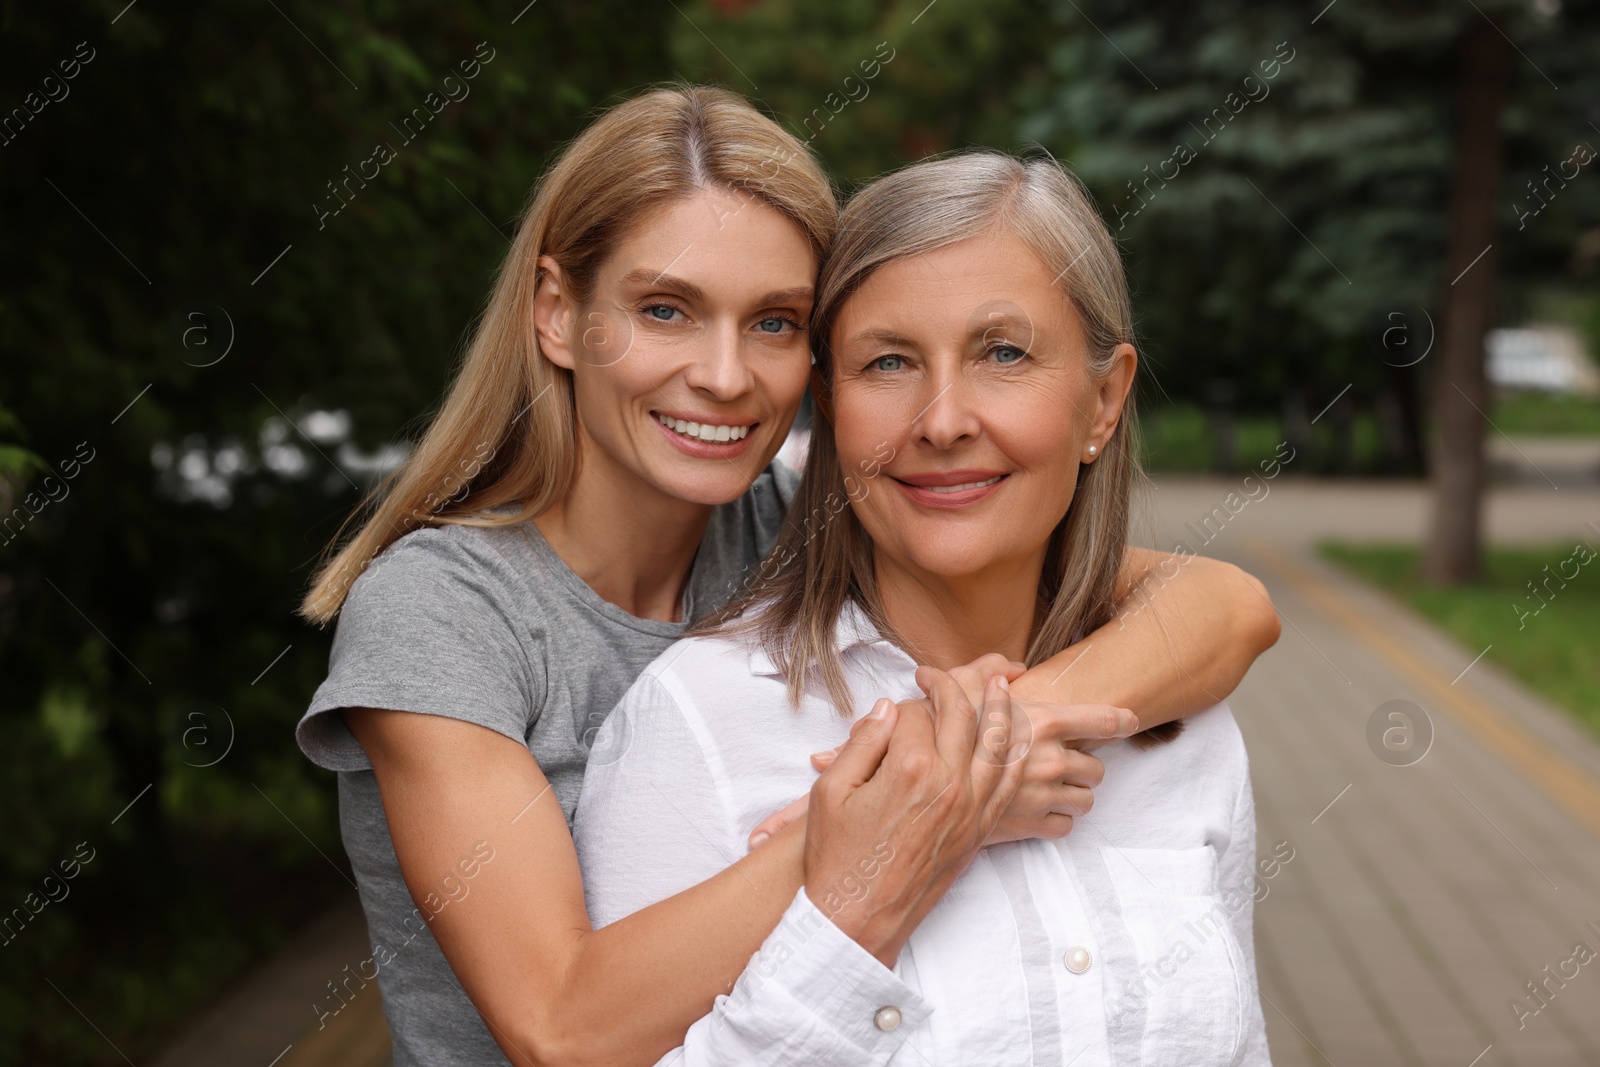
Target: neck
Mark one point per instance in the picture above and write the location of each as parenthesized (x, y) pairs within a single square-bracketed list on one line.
[(947, 622), (632, 543)]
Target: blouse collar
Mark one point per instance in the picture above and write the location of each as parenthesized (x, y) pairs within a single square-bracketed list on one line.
[(854, 631)]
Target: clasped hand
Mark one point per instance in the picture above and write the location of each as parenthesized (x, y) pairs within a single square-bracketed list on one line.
[(1053, 742)]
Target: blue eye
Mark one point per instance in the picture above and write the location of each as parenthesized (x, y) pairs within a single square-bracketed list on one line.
[(772, 325), (1007, 353), (889, 363), (661, 312)]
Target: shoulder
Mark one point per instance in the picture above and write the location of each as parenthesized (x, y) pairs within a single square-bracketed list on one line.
[(439, 623), (695, 668), (1210, 750), (1211, 737), (770, 495), (785, 482), (445, 567), (702, 680)]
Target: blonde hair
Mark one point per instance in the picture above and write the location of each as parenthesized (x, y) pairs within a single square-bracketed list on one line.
[(918, 209), (499, 439)]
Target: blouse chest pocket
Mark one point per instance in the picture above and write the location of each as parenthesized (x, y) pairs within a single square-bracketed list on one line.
[(1191, 972)]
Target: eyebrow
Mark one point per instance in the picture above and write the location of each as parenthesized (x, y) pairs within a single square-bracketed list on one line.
[(660, 279), (883, 337), (656, 279)]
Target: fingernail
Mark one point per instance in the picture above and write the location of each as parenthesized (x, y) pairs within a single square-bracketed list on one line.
[(757, 840), (1005, 685), (880, 709), (825, 756)]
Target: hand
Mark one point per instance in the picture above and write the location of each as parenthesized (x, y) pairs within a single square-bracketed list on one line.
[(1058, 776), (972, 678), (905, 806)]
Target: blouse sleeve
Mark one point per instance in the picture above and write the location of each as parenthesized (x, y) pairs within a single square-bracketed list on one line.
[(1236, 878), (651, 823)]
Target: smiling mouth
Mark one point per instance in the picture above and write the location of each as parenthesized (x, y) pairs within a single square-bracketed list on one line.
[(964, 486), (715, 433)]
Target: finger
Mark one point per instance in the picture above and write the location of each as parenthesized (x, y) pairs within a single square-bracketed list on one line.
[(1072, 800), (1072, 723), (971, 683), (997, 765), (972, 677), (1054, 827), (999, 739), (1004, 778), (1081, 769), (820, 760), (955, 717), (859, 758), (778, 820)]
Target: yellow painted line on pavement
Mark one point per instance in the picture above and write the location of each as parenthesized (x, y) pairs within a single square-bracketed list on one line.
[(1564, 782)]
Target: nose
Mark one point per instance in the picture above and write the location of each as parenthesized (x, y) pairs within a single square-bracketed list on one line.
[(721, 369), (949, 414)]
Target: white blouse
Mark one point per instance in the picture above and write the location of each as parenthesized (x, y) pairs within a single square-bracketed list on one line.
[(1127, 942)]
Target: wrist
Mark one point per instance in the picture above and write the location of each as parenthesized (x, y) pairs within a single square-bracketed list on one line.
[(879, 931)]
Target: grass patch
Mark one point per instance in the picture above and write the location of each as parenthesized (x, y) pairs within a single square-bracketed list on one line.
[(1544, 413), (1179, 438), (1551, 651)]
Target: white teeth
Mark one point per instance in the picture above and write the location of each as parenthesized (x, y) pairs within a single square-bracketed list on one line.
[(707, 432), (964, 485)]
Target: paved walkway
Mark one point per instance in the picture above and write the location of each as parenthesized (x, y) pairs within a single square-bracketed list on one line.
[(1421, 899), (270, 1019)]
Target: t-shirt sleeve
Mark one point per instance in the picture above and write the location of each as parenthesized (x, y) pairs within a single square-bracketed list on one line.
[(429, 627)]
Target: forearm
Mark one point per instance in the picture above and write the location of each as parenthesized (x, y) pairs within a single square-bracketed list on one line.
[(633, 988), (812, 995), (1186, 631)]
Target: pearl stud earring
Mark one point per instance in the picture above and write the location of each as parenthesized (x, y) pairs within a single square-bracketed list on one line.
[(1094, 450)]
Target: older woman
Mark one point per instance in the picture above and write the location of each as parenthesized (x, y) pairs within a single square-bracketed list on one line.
[(973, 334)]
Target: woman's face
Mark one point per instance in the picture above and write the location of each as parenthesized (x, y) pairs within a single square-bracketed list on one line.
[(690, 358), (968, 366)]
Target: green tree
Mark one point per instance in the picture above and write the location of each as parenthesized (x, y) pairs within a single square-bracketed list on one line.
[(870, 86), (1280, 177), (159, 160)]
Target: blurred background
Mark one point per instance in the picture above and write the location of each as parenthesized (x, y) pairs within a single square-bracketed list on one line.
[(1364, 242)]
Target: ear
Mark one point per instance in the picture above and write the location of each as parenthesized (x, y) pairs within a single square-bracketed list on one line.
[(821, 394), (553, 315), (1112, 395)]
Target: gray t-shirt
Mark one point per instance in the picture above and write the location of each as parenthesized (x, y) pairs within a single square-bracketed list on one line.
[(488, 625)]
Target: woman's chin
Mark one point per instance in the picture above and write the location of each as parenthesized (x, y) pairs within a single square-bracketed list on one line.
[(952, 563), (710, 491)]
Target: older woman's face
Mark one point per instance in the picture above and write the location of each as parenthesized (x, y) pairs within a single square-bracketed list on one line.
[(969, 364)]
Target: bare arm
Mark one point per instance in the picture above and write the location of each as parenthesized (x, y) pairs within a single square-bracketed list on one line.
[(551, 988), (549, 985), (1187, 629)]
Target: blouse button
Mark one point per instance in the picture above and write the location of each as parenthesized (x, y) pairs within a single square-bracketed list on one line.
[(1078, 959), (887, 1018)]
